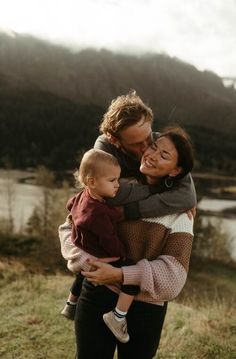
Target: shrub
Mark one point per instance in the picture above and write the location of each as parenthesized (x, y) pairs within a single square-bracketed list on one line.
[(211, 240)]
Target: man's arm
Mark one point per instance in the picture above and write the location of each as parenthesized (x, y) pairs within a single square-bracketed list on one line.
[(179, 199), (102, 143), (130, 192), (143, 201)]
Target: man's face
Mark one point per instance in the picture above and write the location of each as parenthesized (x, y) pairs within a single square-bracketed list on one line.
[(136, 139)]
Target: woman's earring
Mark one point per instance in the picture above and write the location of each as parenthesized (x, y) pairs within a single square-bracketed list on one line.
[(169, 181)]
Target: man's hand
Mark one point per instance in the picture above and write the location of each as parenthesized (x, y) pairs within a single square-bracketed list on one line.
[(192, 212)]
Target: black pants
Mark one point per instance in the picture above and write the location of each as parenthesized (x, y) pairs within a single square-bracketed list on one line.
[(128, 289), (95, 340), (77, 285)]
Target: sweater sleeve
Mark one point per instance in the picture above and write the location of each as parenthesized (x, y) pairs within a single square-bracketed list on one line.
[(179, 199), (164, 277), (76, 257), (102, 144), (130, 192)]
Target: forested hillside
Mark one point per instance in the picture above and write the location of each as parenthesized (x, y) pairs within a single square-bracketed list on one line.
[(52, 100)]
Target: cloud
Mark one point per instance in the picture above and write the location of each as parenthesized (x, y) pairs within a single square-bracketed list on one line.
[(197, 31)]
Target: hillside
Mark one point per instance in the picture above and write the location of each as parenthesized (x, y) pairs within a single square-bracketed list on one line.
[(54, 98)]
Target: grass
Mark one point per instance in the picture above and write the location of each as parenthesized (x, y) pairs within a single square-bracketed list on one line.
[(32, 327), (201, 323)]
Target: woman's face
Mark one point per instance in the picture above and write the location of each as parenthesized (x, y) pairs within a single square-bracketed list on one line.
[(160, 159)]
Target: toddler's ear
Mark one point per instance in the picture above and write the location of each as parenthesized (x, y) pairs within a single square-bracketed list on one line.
[(90, 182)]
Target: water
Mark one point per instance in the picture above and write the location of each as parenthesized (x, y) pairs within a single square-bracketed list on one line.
[(228, 224), (23, 198), (211, 204), (26, 196)]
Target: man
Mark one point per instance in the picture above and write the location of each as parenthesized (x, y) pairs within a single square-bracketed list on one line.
[(126, 132)]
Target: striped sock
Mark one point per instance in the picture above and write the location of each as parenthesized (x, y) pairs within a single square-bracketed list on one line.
[(69, 302), (119, 315)]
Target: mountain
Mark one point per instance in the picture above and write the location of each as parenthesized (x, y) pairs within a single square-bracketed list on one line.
[(54, 98)]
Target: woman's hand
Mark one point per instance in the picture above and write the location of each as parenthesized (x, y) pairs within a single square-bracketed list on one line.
[(104, 273)]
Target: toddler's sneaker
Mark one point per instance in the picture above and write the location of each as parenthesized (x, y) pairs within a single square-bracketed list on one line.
[(69, 311), (118, 328)]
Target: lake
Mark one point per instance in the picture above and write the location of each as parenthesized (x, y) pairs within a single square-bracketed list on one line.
[(228, 224), (25, 196)]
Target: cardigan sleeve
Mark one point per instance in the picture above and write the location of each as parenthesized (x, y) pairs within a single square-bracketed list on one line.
[(164, 277), (76, 257)]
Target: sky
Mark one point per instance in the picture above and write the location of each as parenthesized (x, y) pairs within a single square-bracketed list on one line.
[(200, 32)]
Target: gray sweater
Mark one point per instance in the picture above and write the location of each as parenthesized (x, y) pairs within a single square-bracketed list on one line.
[(142, 201)]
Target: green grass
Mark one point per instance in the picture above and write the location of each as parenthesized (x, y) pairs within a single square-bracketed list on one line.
[(31, 326), (201, 323)]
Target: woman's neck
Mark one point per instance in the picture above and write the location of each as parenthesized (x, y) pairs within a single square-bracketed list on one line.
[(153, 180)]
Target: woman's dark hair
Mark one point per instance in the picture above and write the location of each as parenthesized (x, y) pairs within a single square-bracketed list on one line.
[(184, 147)]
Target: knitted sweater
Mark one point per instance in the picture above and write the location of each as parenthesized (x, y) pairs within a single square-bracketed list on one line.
[(161, 248)]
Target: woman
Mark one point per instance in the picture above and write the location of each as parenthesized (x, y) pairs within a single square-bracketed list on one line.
[(160, 247)]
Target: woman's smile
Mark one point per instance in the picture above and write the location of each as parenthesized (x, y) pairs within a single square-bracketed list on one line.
[(148, 162)]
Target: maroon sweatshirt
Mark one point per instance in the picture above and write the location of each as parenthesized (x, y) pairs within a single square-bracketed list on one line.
[(95, 226)]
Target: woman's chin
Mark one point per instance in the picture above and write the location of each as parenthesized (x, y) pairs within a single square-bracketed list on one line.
[(147, 171), (144, 169)]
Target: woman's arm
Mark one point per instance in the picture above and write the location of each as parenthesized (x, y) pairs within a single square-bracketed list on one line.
[(77, 258), (162, 278)]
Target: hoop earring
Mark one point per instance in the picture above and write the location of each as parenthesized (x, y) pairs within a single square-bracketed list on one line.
[(169, 181)]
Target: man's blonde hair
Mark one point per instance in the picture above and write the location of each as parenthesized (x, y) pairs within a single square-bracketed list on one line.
[(123, 112), (92, 165)]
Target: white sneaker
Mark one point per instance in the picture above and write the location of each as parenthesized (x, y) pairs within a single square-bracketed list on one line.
[(118, 328), (69, 311)]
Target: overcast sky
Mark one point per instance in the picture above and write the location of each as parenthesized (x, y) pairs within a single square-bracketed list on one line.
[(201, 32)]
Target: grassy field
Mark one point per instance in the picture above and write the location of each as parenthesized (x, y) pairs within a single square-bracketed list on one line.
[(200, 324)]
